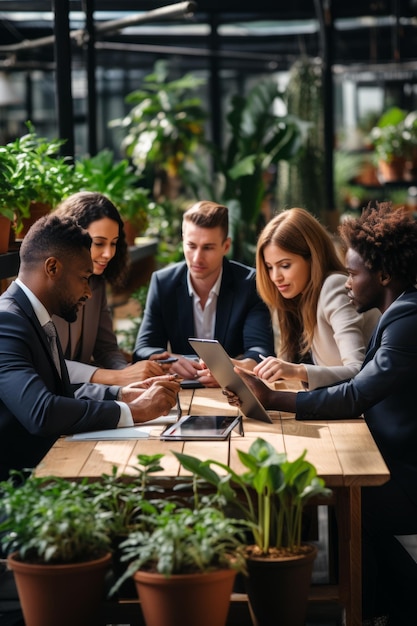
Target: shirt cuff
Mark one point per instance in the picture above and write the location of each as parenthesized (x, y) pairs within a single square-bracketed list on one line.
[(126, 418)]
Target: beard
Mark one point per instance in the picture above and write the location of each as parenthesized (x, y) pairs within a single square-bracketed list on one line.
[(69, 312)]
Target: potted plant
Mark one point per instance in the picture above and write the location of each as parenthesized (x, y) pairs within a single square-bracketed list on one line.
[(7, 164), (57, 542), (271, 495), (117, 181), (184, 562), (36, 178), (391, 143)]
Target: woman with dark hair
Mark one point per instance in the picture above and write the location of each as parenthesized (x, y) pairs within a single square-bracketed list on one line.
[(90, 344), (322, 339)]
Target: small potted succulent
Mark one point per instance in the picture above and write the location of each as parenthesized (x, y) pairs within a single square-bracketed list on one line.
[(270, 495), (58, 547)]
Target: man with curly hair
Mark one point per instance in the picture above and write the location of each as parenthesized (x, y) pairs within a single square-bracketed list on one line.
[(381, 261)]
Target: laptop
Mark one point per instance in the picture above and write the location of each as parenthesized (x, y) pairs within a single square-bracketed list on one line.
[(222, 368)]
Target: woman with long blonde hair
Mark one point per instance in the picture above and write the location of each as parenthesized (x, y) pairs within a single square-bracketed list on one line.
[(299, 275)]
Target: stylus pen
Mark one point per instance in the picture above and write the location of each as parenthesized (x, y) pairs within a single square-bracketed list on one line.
[(179, 406)]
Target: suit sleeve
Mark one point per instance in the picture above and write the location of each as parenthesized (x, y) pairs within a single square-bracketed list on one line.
[(30, 394), (388, 376)]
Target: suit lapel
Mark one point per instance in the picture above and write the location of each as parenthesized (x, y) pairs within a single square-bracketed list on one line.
[(25, 305)]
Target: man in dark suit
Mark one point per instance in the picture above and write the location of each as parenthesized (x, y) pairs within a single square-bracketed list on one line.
[(37, 402), (206, 296), (381, 261)]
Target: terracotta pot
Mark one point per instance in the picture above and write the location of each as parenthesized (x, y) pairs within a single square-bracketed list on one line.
[(37, 210), (278, 588), (392, 171), (68, 595), (5, 227), (131, 232), (185, 600)]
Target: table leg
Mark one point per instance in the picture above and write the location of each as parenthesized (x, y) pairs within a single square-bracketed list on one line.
[(348, 505)]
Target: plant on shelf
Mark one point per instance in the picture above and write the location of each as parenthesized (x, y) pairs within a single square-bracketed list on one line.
[(118, 181), (271, 495), (34, 173), (58, 546), (394, 140)]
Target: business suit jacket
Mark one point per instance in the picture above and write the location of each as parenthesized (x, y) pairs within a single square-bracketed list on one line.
[(383, 391), (36, 404), (243, 322), (90, 341)]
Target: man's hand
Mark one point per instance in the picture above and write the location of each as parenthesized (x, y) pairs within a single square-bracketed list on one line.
[(129, 393), (186, 368), (136, 372), (158, 399)]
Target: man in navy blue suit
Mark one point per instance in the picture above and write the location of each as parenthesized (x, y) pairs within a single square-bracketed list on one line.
[(206, 296), (37, 401), (381, 261)]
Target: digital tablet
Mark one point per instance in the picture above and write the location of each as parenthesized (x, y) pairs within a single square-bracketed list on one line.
[(201, 427), (222, 368)]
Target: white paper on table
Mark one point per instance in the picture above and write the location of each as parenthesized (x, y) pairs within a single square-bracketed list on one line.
[(141, 431)]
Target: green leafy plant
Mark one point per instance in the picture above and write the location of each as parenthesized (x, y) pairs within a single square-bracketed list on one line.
[(33, 171), (390, 138), (165, 123), (259, 139), (52, 521), (181, 540), (126, 500), (271, 494), (116, 180)]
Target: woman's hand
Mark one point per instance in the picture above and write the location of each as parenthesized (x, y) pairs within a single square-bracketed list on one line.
[(272, 369)]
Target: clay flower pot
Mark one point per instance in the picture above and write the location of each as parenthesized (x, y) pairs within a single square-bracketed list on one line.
[(68, 595), (185, 600)]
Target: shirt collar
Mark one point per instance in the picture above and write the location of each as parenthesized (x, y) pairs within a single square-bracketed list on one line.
[(39, 309), (215, 289)]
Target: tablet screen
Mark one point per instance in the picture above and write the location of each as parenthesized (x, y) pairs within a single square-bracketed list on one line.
[(196, 427)]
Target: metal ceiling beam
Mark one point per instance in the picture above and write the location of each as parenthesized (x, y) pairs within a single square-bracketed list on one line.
[(181, 9)]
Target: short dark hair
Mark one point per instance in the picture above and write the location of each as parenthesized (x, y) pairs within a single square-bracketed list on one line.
[(90, 206), (386, 239), (207, 214), (52, 236)]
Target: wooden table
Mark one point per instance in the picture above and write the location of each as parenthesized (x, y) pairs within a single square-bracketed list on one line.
[(343, 452)]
